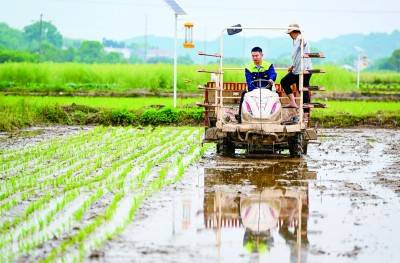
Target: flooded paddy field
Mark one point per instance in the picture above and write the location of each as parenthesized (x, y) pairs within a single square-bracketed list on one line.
[(340, 203), (147, 195)]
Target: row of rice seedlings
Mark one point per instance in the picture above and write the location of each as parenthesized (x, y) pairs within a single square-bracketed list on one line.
[(68, 156), (64, 153), (24, 246), (139, 180), (66, 185), (47, 148), (69, 153), (62, 156), (193, 154), (37, 222), (108, 214), (132, 201), (114, 187), (26, 195), (137, 156), (42, 146), (51, 227), (82, 157)]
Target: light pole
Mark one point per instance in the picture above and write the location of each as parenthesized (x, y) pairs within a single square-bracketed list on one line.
[(359, 52), (177, 11)]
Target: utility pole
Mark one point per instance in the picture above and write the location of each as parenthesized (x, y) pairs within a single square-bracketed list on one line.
[(175, 57), (358, 70), (40, 36), (177, 11), (145, 38), (205, 45), (360, 51)]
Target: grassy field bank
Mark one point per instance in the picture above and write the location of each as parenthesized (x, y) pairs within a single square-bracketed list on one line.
[(121, 79), (22, 111), (132, 103), (356, 113)]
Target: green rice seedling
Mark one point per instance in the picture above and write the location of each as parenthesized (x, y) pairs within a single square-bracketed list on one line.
[(110, 172)]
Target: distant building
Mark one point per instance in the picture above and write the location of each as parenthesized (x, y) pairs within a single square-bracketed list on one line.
[(153, 52)]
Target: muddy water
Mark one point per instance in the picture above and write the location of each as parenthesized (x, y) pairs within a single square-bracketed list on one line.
[(340, 203), (33, 135)]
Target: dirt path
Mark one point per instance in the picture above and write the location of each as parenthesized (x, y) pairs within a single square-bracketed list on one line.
[(341, 203)]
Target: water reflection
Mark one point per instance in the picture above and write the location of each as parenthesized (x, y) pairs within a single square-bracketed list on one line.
[(267, 200)]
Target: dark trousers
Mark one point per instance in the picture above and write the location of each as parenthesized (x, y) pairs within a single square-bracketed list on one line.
[(291, 79), (240, 105)]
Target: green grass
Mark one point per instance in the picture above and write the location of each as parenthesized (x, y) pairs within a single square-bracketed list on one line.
[(381, 77), (358, 108), (70, 77), (134, 103), (22, 111), (124, 78), (355, 113)]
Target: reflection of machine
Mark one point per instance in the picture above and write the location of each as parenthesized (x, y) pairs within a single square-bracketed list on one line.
[(259, 215), (262, 200)]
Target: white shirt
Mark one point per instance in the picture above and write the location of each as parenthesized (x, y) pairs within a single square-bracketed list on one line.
[(296, 55)]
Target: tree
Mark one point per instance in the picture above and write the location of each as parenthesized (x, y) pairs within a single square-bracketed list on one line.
[(114, 58), (91, 52), (69, 54), (394, 60), (160, 60), (11, 38), (134, 59), (42, 32), (186, 60), (16, 56)]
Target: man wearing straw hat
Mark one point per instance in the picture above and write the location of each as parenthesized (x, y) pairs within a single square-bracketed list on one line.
[(292, 77)]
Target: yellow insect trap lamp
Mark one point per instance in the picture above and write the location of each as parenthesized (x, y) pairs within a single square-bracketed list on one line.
[(188, 35)]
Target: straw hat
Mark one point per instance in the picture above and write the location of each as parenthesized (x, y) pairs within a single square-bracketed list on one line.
[(295, 27)]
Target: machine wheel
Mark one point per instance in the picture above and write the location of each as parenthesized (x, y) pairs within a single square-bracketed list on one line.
[(296, 145), (305, 146), (225, 148)]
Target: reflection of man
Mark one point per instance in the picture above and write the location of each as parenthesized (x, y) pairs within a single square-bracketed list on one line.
[(257, 71), (259, 216), (257, 242)]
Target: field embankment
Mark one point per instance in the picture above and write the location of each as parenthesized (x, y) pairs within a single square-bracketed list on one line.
[(21, 111)]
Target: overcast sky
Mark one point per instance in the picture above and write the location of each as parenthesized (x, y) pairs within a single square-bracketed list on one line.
[(122, 19)]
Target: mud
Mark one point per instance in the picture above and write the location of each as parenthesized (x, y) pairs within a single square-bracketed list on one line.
[(33, 135), (340, 203)]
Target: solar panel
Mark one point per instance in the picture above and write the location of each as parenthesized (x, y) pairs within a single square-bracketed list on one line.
[(174, 5)]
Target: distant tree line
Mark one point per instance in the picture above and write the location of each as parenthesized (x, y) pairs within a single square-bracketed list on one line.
[(390, 63), (41, 42)]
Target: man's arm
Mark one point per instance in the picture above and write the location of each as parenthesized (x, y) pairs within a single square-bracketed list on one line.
[(271, 72), (249, 79)]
